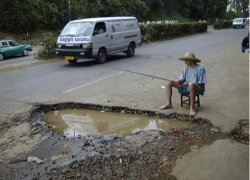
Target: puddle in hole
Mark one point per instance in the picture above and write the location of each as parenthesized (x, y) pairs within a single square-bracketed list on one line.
[(81, 122)]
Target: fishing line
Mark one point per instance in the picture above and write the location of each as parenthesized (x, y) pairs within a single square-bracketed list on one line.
[(125, 70)]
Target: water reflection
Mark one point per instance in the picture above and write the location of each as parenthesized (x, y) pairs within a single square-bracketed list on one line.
[(81, 122)]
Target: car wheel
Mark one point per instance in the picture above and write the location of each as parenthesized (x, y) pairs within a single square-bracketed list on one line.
[(1, 57), (102, 56), (131, 50), (25, 52)]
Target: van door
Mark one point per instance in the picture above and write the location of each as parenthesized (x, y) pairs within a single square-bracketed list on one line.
[(117, 36), (100, 38)]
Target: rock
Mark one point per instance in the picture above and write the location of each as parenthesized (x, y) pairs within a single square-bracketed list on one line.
[(35, 159), (214, 130), (123, 111), (171, 148)]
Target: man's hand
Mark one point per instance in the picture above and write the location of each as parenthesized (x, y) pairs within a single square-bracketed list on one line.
[(181, 81)]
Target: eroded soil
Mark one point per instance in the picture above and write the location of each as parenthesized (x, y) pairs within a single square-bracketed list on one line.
[(143, 155)]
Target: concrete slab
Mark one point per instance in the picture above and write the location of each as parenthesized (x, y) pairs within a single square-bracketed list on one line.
[(223, 160)]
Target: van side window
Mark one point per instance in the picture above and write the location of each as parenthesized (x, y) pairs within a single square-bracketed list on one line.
[(100, 28)]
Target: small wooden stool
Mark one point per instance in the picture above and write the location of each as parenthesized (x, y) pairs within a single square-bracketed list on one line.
[(185, 99)]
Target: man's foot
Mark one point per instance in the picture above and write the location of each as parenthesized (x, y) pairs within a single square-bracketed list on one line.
[(192, 113), (166, 106)]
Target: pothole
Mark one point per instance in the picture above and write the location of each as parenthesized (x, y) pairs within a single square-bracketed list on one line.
[(77, 120), (77, 123)]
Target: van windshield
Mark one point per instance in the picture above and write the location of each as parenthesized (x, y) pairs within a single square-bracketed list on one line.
[(238, 20), (77, 29)]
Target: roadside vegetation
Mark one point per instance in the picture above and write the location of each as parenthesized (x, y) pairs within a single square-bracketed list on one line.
[(27, 21), (223, 25), (155, 32), (48, 44)]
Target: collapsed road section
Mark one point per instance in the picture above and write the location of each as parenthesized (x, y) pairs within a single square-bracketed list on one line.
[(43, 150)]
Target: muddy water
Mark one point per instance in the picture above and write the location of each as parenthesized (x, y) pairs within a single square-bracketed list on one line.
[(73, 123)]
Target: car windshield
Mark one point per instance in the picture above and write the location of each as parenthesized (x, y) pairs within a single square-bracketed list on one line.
[(13, 43), (77, 29)]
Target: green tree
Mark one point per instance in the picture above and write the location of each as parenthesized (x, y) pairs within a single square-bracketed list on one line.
[(239, 7), (31, 15)]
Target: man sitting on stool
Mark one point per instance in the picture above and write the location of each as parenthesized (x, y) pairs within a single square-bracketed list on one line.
[(192, 81)]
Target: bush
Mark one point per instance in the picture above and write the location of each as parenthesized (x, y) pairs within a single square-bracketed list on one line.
[(48, 43), (147, 32), (223, 25), (153, 32)]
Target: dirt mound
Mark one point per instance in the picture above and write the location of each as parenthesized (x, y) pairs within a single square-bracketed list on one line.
[(241, 132)]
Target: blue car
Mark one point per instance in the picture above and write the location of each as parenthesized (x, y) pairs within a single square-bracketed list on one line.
[(9, 48)]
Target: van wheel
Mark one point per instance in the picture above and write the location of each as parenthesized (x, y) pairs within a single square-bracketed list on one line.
[(102, 56), (1, 57), (131, 50)]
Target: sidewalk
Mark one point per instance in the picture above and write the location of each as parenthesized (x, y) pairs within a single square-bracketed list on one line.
[(20, 63)]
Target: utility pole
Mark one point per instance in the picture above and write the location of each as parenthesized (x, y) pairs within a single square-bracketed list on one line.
[(69, 9)]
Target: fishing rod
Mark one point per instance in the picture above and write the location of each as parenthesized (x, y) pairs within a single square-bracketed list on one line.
[(125, 70)]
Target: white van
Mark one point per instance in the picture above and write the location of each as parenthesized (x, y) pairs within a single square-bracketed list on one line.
[(239, 22), (97, 38)]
